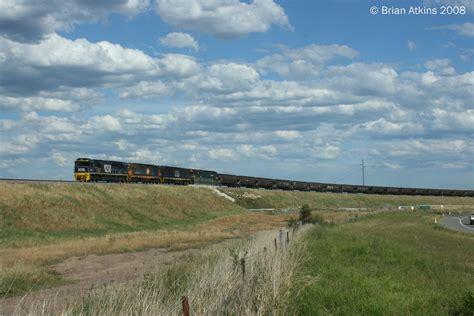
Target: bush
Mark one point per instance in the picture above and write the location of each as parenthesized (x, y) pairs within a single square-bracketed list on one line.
[(292, 223), (305, 214)]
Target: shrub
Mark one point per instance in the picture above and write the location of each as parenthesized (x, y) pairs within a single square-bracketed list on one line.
[(292, 222), (305, 214)]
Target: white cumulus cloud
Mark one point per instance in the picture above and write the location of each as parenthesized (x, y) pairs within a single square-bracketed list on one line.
[(57, 62), (304, 61), (222, 154), (228, 18), (466, 29), (179, 40), (31, 20)]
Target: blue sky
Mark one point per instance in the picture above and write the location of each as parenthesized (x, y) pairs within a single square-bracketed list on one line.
[(288, 89)]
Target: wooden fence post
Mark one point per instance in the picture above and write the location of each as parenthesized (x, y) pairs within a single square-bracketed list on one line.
[(275, 244), (242, 263), (185, 303), (287, 237)]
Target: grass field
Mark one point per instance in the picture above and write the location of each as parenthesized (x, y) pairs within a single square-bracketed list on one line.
[(396, 263)]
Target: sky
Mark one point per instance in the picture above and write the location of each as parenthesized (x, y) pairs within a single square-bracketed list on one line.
[(293, 89)]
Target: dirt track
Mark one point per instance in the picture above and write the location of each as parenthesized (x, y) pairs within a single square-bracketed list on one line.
[(90, 272)]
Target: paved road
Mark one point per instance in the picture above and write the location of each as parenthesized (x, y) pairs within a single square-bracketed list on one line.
[(458, 222)]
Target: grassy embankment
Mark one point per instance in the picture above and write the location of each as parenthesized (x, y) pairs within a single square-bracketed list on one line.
[(397, 263), (46, 212)]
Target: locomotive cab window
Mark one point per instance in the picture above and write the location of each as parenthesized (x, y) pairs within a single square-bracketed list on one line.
[(83, 163)]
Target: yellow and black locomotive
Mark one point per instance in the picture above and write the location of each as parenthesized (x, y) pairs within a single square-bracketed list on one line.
[(95, 170)]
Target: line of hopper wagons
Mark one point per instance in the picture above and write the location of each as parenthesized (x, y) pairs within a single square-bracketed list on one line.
[(96, 170)]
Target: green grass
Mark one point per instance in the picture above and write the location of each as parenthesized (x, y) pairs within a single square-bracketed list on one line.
[(36, 213), (386, 264), (252, 198)]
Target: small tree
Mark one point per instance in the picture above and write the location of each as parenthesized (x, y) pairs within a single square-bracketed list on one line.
[(305, 214)]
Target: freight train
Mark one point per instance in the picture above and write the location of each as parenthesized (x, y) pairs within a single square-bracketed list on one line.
[(95, 170)]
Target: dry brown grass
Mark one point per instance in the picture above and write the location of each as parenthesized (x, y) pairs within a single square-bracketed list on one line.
[(249, 222), (114, 243), (212, 281), (29, 264), (219, 229)]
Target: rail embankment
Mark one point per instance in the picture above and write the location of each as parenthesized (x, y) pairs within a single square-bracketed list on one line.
[(47, 211)]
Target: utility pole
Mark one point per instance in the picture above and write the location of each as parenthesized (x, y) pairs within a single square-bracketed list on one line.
[(363, 172)]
